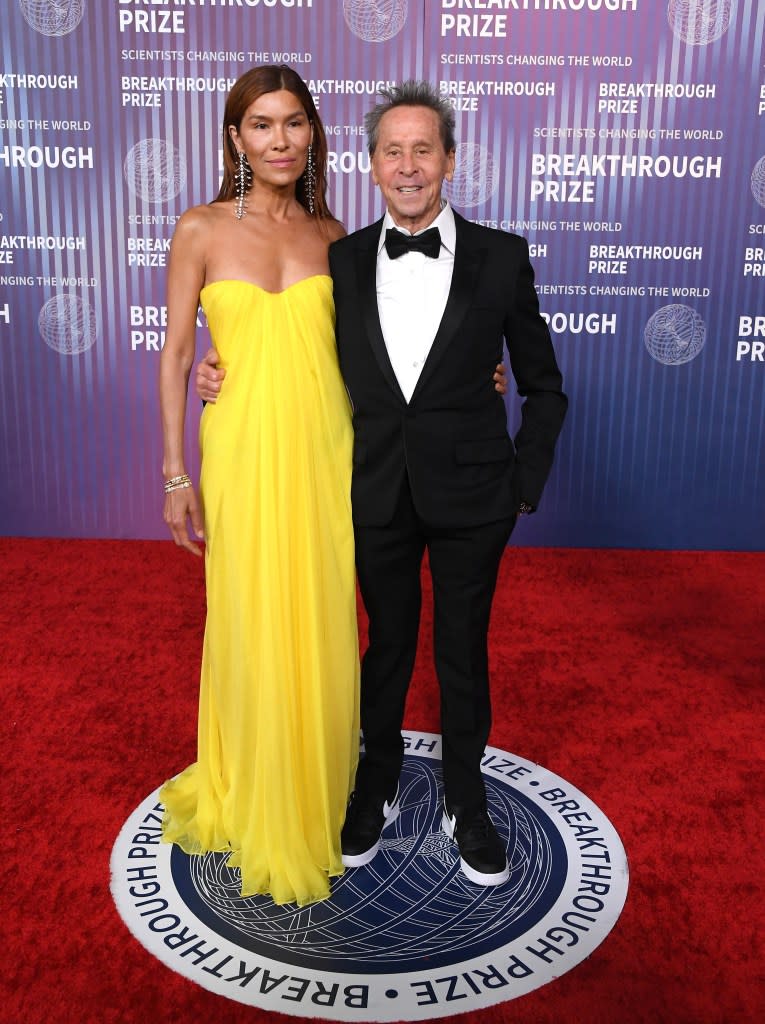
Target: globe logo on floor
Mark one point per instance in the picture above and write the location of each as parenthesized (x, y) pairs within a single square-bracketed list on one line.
[(386, 900), (407, 937)]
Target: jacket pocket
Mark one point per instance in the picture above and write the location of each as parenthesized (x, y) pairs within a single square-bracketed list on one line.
[(493, 449)]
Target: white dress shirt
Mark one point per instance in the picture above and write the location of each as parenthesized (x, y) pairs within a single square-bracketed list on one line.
[(411, 297)]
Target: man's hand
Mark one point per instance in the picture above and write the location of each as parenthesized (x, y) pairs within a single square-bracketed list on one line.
[(500, 380), (209, 379), (179, 505)]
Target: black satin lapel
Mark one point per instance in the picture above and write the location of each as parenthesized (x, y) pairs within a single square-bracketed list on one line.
[(467, 263), (367, 280)]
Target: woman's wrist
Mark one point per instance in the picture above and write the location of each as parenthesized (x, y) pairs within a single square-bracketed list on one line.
[(177, 482)]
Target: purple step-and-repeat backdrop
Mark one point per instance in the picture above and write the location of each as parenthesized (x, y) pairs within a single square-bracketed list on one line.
[(624, 138)]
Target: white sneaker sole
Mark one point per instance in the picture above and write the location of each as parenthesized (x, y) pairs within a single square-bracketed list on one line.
[(358, 860), (478, 877)]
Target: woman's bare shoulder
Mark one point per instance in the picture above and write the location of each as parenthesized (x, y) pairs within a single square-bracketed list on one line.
[(335, 230), (198, 221)]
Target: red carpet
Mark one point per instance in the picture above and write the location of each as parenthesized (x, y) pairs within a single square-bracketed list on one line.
[(637, 676)]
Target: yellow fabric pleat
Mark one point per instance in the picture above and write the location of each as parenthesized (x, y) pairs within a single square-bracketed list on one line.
[(278, 706)]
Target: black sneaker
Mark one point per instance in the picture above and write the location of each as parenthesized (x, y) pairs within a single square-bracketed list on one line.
[(365, 819), (483, 858)]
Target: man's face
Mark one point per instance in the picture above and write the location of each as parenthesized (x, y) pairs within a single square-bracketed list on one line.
[(410, 164)]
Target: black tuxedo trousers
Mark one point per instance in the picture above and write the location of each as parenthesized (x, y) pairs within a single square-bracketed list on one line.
[(463, 566)]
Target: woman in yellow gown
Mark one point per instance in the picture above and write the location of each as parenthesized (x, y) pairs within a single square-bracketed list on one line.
[(278, 708)]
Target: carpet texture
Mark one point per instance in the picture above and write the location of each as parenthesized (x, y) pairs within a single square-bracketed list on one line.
[(636, 676)]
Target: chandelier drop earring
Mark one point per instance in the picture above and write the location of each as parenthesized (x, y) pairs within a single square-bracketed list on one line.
[(243, 181), (310, 180)]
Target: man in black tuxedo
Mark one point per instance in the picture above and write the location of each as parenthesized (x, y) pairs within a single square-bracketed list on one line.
[(424, 300)]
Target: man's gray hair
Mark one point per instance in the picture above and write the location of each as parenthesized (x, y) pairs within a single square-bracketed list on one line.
[(411, 94)]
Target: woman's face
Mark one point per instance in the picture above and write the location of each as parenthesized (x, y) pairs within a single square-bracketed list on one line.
[(274, 134)]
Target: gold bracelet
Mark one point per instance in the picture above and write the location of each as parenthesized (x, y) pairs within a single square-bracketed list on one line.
[(177, 482)]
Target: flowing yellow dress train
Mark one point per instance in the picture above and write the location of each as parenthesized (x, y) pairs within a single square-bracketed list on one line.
[(278, 708)]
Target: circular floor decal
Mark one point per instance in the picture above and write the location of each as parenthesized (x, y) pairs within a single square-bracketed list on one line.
[(407, 937)]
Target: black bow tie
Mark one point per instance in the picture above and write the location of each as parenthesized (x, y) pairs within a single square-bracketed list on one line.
[(397, 243)]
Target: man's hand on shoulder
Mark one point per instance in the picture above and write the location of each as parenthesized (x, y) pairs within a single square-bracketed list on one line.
[(209, 378), (500, 379)]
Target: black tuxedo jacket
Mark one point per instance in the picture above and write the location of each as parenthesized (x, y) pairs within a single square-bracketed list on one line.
[(451, 438)]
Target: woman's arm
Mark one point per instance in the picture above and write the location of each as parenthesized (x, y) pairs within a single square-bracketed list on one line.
[(186, 274)]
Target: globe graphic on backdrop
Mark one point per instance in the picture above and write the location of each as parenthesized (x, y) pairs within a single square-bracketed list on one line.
[(67, 324), (476, 176), (758, 181), (52, 17), (375, 21), (699, 22), (675, 334), (418, 910), (154, 171)]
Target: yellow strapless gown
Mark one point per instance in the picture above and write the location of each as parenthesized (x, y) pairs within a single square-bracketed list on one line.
[(278, 707)]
